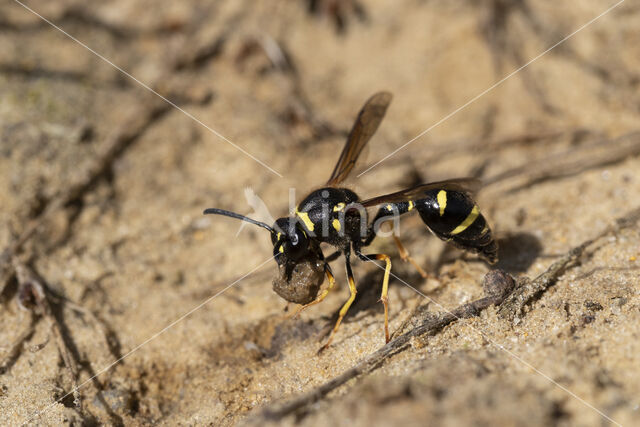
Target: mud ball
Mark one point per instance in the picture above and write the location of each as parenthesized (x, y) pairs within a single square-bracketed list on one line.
[(303, 284)]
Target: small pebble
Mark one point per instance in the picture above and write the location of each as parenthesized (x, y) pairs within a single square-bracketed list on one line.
[(497, 283)]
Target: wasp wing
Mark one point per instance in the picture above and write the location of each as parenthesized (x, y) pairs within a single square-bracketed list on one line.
[(363, 129), (464, 185)]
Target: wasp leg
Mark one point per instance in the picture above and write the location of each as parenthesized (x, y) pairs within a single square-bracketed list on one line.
[(345, 307), (385, 285), (404, 254), (334, 256), (332, 282)]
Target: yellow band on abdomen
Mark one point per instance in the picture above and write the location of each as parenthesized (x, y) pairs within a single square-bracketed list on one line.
[(467, 221)]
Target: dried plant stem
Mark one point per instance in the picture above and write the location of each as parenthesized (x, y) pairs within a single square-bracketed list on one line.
[(511, 304), (497, 286), (530, 289)]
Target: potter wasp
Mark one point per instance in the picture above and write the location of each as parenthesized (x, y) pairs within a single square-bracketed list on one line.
[(335, 215)]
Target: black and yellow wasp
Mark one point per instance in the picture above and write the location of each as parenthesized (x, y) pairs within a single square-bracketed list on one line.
[(337, 216)]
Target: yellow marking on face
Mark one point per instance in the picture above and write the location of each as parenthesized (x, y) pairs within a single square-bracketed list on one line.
[(442, 201), (389, 207), (278, 237), (339, 207), (467, 221), (411, 205), (306, 220), (281, 250), (336, 224)]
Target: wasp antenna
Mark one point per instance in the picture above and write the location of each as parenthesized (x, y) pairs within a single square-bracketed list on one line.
[(215, 211)]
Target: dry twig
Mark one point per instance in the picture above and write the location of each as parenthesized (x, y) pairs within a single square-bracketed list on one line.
[(16, 347), (527, 289), (32, 296), (142, 116), (32, 293), (497, 284)]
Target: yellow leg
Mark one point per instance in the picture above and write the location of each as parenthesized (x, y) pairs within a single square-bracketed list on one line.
[(345, 307), (385, 286), (385, 289), (323, 295), (404, 254)]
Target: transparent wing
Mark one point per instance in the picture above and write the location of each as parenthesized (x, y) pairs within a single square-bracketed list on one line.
[(464, 185), (363, 129)]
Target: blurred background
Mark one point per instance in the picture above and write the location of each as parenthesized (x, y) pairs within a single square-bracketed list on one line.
[(103, 183)]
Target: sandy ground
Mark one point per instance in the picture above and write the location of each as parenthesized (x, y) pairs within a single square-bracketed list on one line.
[(554, 143)]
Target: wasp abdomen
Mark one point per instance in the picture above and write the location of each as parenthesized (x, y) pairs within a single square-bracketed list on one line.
[(454, 216)]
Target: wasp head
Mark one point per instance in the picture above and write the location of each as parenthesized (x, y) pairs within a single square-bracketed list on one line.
[(290, 242)]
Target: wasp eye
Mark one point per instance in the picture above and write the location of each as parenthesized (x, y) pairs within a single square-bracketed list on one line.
[(298, 245), (290, 243)]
